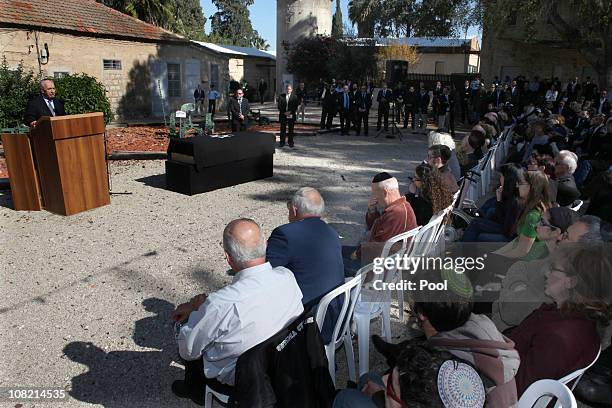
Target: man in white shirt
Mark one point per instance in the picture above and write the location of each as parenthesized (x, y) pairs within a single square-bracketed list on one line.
[(259, 302)]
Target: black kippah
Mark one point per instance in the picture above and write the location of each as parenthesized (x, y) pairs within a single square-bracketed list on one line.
[(381, 177)]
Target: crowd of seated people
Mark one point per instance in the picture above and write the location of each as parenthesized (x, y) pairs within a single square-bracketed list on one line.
[(549, 216)]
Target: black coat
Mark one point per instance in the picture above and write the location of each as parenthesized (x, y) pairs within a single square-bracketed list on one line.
[(340, 101), (37, 108), (288, 370), (330, 101), (363, 102), (384, 98), (422, 102), (284, 107), (235, 108)]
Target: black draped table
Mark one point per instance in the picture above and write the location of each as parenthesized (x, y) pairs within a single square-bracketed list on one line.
[(205, 163)]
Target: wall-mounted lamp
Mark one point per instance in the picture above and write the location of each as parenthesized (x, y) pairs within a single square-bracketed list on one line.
[(44, 55)]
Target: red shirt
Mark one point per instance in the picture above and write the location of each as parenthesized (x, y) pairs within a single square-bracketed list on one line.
[(552, 344)]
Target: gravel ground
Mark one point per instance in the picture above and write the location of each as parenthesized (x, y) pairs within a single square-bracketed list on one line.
[(86, 299)]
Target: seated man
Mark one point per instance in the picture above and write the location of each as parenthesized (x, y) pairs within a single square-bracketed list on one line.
[(565, 166), (308, 247), (259, 302), (397, 217)]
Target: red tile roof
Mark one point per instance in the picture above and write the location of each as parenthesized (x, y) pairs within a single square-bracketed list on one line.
[(84, 16)]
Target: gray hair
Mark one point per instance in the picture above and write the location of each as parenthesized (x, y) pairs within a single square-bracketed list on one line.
[(308, 200), (569, 159), (389, 184), (593, 224), (43, 80), (240, 251)]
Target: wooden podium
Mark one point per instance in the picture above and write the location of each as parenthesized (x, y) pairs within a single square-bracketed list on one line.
[(70, 167)]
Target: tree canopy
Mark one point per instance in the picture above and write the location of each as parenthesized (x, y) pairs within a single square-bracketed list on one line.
[(231, 25), (337, 26)]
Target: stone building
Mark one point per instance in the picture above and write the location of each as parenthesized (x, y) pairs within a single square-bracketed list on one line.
[(443, 56), (506, 52), (147, 71), (248, 65), (297, 19)]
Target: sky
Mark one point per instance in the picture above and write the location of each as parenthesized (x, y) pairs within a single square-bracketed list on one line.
[(263, 18)]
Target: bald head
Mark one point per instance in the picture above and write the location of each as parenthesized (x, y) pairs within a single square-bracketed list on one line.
[(306, 202), (244, 244)]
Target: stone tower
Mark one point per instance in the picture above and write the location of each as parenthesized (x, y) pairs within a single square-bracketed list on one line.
[(296, 19)]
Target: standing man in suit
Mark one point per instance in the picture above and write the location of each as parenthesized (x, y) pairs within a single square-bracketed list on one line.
[(287, 113), (384, 98), (363, 103), (410, 103), (422, 107), (44, 104), (328, 103), (515, 97), (261, 88), (445, 106), (344, 104), (602, 105), (198, 96), (465, 95), (239, 108), (301, 95)]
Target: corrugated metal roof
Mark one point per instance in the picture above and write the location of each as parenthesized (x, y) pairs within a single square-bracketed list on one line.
[(235, 50), (441, 42)]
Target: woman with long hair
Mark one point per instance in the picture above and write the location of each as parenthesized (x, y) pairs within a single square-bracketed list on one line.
[(533, 191), (427, 194), (505, 210), (560, 338)]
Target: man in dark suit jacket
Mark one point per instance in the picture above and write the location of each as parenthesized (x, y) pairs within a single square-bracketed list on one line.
[(328, 106), (410, 104), (363, 103), (287, 113), (422, 107), (44, 104), (345, 102), (311, 249), (384, 98), (239, 109), (602, 105)]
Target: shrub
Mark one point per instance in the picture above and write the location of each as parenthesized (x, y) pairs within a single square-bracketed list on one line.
[(17, 86), (83, 94)]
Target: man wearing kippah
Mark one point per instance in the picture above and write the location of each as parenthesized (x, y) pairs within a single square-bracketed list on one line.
[(397, 217)]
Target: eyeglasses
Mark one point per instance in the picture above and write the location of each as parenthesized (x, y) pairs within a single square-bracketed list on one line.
[(545, 223), (391, 392)]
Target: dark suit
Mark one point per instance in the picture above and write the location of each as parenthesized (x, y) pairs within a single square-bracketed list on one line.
[(37, 108), (465, 100), (363, 103), (295, 245), (498, 98), (345, 102), (605, 108), (384, 98), (329, 107), (422, 107), (410, 104), (235, 110), (287, 107)]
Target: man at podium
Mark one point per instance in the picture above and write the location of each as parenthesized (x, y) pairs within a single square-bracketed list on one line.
[(44, 104)]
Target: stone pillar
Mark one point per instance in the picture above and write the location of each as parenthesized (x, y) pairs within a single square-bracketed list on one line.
[(296, 19)]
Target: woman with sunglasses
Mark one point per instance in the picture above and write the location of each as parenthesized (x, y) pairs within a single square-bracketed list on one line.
[(561, 337), (427, 194), (535, 194)]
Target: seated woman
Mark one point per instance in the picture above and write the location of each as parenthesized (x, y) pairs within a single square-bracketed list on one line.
[(427, 194), (562, 337), (471, 148), (534, 192), (501, 226)]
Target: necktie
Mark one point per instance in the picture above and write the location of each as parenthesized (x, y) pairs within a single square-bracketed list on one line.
[(240, 105), (50, 105), (345, 101)]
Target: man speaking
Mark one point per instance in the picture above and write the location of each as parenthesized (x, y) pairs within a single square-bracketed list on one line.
[(44, 104)]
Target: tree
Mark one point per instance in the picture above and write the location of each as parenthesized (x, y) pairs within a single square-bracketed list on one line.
[(408, 18), (309, 58), (586, 26), (188, 19), (17, 86), (157, 12), (337, 22), (231, 24)]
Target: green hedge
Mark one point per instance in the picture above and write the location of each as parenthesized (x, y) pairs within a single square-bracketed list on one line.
[(81, 93), (17, 86)]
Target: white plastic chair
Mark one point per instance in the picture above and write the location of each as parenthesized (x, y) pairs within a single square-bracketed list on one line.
[(374, 303), (349, 292), (208, 398), (547, 389)]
